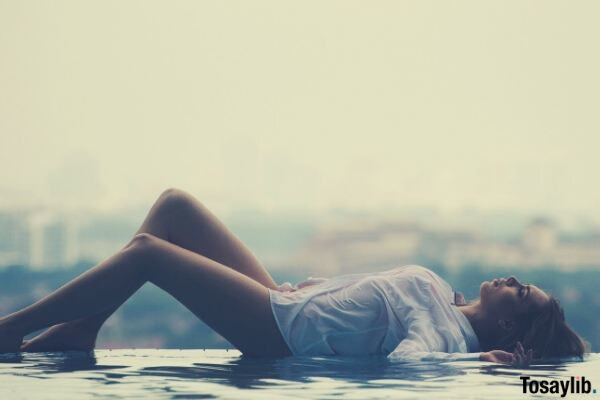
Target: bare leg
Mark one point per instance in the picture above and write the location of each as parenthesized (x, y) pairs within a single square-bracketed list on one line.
[(234, 305), (181, 219)]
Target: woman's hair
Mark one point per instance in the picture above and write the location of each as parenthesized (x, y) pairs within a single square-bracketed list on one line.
[(546, 332)]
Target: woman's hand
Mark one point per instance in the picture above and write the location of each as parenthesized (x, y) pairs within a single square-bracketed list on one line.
[(285, 287), (517, 359)]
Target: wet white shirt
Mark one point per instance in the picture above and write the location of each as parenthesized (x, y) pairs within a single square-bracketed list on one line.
[(405, 313)]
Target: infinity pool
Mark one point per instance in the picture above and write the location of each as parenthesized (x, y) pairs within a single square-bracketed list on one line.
[(201, 374)]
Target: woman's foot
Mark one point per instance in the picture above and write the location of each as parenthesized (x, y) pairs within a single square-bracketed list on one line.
[(62, 337)]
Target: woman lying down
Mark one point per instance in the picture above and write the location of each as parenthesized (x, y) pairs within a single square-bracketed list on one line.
[(404, 313)]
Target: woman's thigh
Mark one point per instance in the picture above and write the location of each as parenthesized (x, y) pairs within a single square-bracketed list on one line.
[(180, 218), (234, 305)]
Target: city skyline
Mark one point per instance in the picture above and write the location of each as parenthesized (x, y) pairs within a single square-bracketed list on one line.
[(42, 239)]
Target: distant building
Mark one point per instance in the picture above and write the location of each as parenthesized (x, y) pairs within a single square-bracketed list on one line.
[(365, 246), (53, 241), (15, 239), (47, 239)]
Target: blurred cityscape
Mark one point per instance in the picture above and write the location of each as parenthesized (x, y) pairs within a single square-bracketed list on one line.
[(40, 250), (355, 247), (46, 240)]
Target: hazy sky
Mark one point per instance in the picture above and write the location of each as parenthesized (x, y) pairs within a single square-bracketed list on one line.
[(309, 104)]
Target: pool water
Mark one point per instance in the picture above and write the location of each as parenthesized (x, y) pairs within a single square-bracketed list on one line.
[(201, 374)]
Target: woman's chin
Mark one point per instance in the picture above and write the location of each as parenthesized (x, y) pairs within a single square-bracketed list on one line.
[(485, 286)]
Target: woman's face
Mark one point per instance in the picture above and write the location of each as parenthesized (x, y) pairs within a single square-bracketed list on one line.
[(507, 297)]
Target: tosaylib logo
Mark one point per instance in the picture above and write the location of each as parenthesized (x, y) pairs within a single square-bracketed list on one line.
[(577, 384)]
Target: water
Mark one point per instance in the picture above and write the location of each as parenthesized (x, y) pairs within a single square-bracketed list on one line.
[(199, 374)]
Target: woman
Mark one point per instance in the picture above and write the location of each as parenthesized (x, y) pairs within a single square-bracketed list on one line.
[(409, 311)]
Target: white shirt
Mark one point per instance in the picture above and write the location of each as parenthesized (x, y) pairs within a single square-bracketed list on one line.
[(404, 313)]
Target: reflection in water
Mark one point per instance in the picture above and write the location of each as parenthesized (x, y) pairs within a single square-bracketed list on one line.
[(250, 372), (175, 374), (53, 362)]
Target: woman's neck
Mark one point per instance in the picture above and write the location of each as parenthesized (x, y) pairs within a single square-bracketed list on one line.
[(479, 322)]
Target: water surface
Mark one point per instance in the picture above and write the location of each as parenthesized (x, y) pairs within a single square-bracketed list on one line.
[(198, 374)]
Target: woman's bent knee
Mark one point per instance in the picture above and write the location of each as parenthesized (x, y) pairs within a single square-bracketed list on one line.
[(176, 203), (144, 238), (173, 194), (142, 242), (141, 253), (173, 201)]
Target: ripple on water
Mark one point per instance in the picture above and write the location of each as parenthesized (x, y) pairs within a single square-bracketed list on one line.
[(187, 374)]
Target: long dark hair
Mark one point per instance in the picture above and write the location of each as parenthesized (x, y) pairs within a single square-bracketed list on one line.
[(546, 332)]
